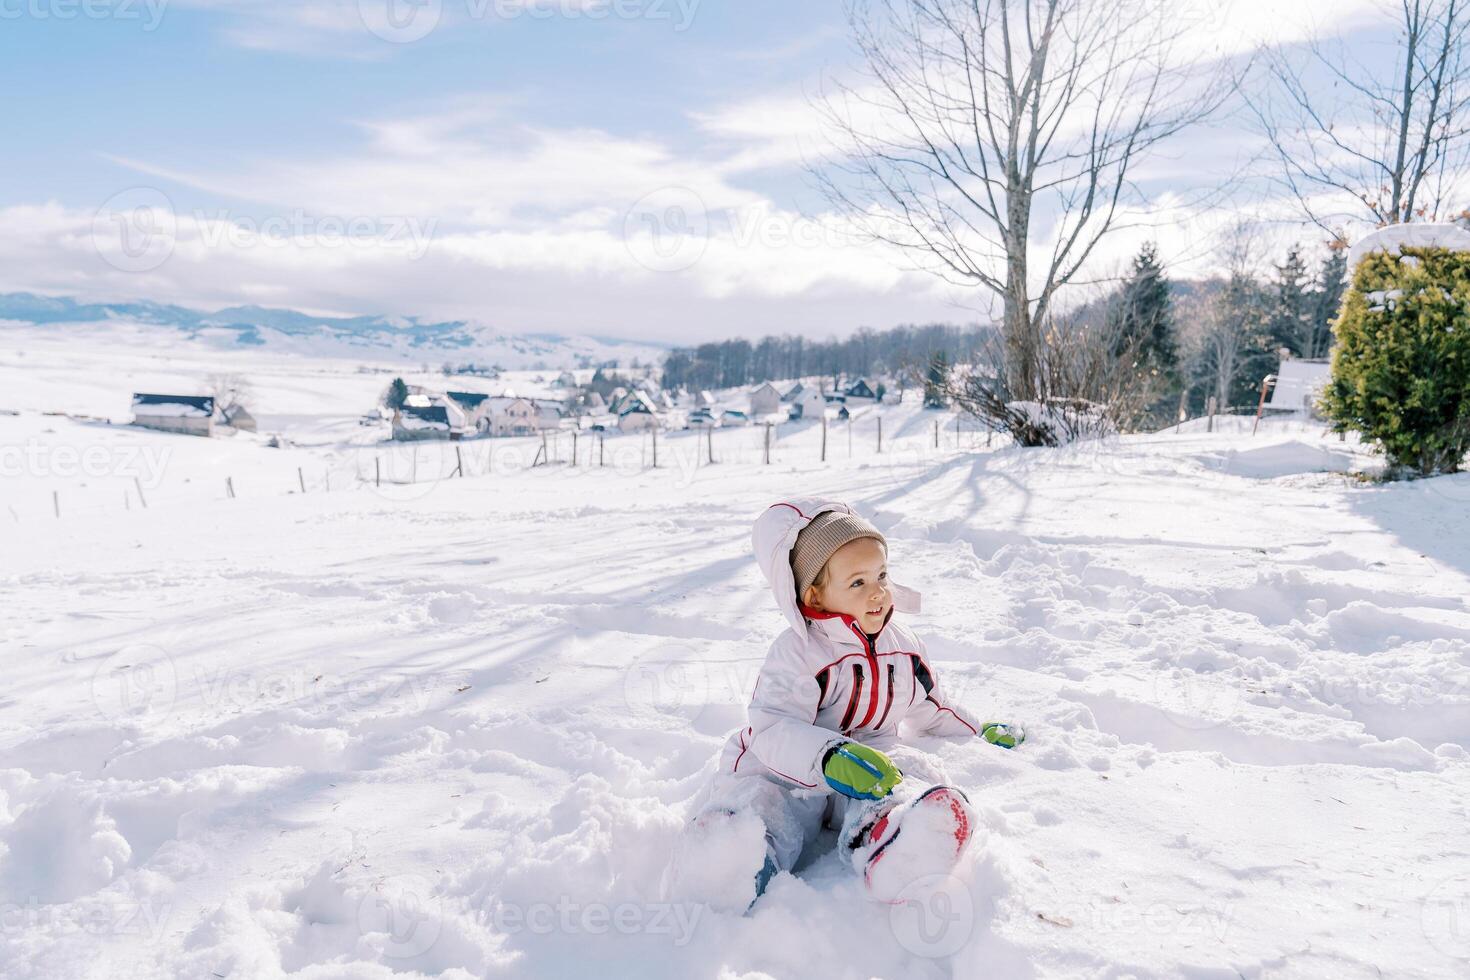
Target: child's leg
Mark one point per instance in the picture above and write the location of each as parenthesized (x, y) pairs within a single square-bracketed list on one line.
[(912, 837), (789, 821), (746, 831)]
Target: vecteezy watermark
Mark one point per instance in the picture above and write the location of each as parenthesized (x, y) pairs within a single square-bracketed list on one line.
[(34, 458), (670, 230), (933, 916), (677, 920), (148, 12), (136, 684), (1445, 917), (667, 230), (1198, 698), (407, 21), (403, 913), (138, 230), (93, 918), (298, 229)]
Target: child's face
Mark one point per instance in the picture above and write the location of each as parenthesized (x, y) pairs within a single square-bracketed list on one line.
[(856, 584)]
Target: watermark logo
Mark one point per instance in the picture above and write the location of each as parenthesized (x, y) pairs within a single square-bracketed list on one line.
[(136, 230), (933, 917), (675, 920), (1445, 917), (34, 458), (407, 470), (149, 12), (405, 911), (136, 684), (400, 21), (665, 680), (667, 230), (1197, 699)]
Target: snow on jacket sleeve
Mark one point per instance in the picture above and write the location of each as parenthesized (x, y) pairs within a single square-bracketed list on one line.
[(933, 713), (782, 709)]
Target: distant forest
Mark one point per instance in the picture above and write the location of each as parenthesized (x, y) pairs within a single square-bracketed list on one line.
[(734, 363)]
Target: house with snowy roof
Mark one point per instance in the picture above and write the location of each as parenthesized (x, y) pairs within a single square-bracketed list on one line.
[(419, 422), (809, 403), (472, 403), (764, 400), (1299, 383), (637, 413), (192, 415), (861, 389), (793, 393)]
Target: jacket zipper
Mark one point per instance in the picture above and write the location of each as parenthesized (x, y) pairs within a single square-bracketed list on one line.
[(872, 662)]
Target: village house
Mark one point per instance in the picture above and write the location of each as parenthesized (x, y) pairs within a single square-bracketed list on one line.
[(509, 415), (810, 403), (236, 416), (419, 422), (793, 393), (765, 400), (860, 389), (473, 405), (637, 413), (192, 415)]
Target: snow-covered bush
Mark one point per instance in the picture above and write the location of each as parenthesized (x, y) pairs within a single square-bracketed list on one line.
[(1059, 421), (1401, 369)]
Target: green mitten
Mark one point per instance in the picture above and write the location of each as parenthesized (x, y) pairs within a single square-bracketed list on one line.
[(855, 770), (1004, 734)]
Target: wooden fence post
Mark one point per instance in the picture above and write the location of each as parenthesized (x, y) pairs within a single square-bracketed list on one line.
[(768, 443), (230, 486), (711, 433), (301, 479), (574, 449), (377, 472), (141, 499), (1210, 407), (654, 430), (936, 433), (459, 463), (600, 441), (56, 501), (880, 434), (824, 436)]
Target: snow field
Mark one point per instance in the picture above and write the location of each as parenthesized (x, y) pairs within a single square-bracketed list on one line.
[(455, 729)]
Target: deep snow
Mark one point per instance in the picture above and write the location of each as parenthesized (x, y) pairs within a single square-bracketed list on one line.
[(454, 729)]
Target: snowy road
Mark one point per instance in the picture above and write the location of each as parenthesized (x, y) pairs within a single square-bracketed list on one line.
[(348, 735)]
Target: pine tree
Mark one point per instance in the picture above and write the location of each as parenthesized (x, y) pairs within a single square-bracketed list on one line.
[(397, 394), (1293, 310), (1327, 300), (936, 381), (1143, 325)]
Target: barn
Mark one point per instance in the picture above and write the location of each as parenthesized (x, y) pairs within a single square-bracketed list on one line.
[(187, 414)]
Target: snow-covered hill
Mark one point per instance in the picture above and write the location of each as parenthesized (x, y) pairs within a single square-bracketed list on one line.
[(453, 730), (292, 332)]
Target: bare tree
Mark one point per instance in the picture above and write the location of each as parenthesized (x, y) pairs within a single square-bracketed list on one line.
[(1233, 314), (230, 390), (978, 117), (1355, 141)]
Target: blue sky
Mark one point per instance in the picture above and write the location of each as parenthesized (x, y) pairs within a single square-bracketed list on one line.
[(487, 167)]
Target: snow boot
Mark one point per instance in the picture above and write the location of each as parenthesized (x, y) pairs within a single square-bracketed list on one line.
[(914, 844)]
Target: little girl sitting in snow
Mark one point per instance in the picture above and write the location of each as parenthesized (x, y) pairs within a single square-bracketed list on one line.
[(838, 694)]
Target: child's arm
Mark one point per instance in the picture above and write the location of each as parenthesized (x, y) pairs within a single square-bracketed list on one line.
[(937, 715), (782, 736)]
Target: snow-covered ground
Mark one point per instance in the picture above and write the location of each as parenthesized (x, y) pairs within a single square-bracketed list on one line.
[(454, 728)]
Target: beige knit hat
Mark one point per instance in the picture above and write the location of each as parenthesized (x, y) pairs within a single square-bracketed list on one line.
[(820, 539)]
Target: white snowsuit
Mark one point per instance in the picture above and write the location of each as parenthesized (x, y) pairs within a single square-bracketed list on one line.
[(822, 683)]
